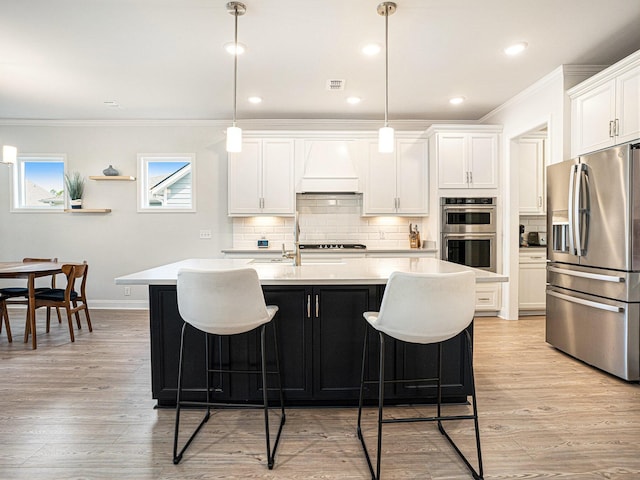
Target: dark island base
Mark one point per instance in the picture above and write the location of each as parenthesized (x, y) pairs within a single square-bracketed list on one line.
[(320, 333)]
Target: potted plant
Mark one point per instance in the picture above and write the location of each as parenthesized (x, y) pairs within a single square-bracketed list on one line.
[(75, 188)]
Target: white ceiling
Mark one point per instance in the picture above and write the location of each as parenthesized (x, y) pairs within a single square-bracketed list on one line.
[(164, 59)]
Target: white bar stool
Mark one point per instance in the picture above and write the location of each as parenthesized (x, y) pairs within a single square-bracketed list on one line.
[(423, 309), (227, 302)]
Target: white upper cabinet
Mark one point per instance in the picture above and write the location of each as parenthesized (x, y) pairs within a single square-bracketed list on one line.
[(261, 178), (397, 183), (605, 109), (531, 163), (466, 156)]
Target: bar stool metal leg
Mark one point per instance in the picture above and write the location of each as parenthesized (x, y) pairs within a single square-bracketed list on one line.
[(271, 453), (476, 474), (381, 383), (439, 418), (178, 456)]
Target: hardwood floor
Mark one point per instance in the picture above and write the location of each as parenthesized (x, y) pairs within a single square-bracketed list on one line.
[(84, 410)]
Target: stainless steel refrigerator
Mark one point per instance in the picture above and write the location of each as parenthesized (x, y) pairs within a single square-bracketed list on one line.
[(593, 248)]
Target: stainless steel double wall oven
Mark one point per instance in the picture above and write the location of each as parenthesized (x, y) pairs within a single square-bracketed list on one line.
[(469, 231)]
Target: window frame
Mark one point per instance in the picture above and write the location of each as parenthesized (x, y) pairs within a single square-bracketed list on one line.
[(17, 184), (143, 181)]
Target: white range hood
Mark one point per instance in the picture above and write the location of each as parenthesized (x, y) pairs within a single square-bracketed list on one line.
[(329, 167)]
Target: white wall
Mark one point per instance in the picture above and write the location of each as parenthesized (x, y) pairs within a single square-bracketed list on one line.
[(544, 103), (123, 241)]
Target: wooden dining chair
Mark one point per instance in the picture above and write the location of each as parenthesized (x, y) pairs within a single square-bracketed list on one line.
[(4, 318), (72, 299), (19, 295)]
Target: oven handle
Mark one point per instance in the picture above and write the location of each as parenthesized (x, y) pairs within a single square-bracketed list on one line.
[(472, 236), (475, 208), (588, 303)]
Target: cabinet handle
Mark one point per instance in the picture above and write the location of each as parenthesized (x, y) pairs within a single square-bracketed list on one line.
[(397, 203), (484, 299), (470, 177), (308, 306), (611, 129), (616, 130), (539, 201), (467, 177), (317, 307)]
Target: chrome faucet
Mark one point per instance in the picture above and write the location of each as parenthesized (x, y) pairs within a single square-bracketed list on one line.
[(295, 254)]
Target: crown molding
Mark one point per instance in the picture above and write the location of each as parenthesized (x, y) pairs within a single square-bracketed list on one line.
[(248, 124), (544, 82)]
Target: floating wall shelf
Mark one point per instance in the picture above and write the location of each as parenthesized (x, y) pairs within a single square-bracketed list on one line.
[(87, 210), (125, 178)]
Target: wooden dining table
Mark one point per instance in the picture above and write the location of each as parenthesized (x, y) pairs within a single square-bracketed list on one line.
[(30, 271)]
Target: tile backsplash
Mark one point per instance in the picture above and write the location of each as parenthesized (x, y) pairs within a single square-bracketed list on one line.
[(535, 223), (327, 218)]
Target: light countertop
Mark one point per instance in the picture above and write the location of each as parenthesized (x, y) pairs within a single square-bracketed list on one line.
[(339, 251), (345, 271)]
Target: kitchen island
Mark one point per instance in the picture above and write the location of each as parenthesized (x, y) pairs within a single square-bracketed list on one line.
[(320, 332)]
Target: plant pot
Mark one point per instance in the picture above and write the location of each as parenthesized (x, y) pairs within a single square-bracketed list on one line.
[(75, 204)]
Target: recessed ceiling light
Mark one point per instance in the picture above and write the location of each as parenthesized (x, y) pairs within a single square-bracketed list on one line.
[(371, 49), (255, 99), (353, 100), (516, 48), (231, 48), (456, 100)]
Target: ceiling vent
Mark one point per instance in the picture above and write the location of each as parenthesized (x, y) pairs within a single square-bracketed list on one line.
[(335, 84)]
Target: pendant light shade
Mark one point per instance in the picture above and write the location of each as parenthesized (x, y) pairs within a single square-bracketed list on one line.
[(234, 133), (234, 139), (386, 140), (9, 154), (386, 137)]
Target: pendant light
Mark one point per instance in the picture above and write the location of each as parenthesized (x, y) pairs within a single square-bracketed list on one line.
[(234, 133), (386, 137)]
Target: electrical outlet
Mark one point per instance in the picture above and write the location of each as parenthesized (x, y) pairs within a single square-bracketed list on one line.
[(205, 234), (127, 291)]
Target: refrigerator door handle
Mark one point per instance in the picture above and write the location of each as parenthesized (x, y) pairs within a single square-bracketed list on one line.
[(591, 276), (570, 211), (576, 209), (588, 303)]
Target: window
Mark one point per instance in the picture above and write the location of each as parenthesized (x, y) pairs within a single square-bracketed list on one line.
[(38, 183), (166, 183)]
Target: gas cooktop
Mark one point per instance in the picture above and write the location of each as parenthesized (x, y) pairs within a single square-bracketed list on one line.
[(332, 246)]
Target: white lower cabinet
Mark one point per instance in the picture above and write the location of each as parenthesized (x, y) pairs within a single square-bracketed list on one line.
[(488, 297), (532, 282)]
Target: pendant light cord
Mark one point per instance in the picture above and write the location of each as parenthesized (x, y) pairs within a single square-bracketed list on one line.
[(235, 66), (386, 65)]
